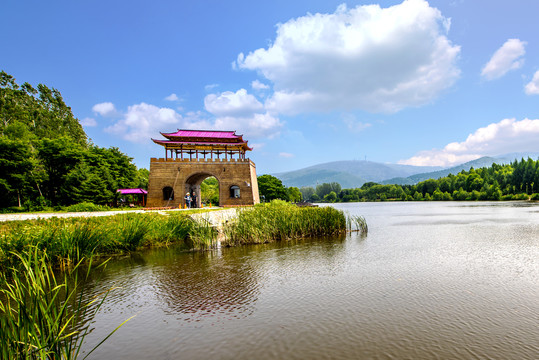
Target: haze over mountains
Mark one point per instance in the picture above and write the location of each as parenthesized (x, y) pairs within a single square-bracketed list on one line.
[(354, 173)]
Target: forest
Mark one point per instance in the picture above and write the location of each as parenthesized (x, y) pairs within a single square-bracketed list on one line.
[(46, 159), (518, 180)]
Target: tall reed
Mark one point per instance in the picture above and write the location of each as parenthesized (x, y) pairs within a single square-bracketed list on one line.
[(40, 312), (279, 220), (66, 241)]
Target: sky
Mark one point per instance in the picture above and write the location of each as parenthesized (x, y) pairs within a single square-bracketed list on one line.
[(414, 82)]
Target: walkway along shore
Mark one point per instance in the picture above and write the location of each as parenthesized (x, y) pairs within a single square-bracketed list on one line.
[(216, 216)]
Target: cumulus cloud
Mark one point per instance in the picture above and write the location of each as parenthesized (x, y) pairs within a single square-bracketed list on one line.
[(238, 111), (172, 97), (89, 122), (370, 58), (143, 121), (508, 57), (243, 112), (532, 88), (257, 85), (229, 103), (105, 109), (505, 136)]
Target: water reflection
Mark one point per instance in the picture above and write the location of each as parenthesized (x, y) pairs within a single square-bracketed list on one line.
[(431, 280)]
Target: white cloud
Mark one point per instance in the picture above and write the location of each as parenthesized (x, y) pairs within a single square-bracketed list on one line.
[(89, 122), (238, 111), (508, 57), (532, 88), (210, 87), (257, 85), (172, 97), (104, 109), (229, 103), (258, 125), (353, 124), (143, 121), (370, 58), (257, 146), (505, 136), (285, 155), (241, 111)]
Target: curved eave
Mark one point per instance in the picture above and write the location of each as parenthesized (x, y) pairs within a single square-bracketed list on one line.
[(178, 144)]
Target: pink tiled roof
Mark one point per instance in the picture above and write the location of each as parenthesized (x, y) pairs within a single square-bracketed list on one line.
[(132, 191), (203, 134), (165, 142)]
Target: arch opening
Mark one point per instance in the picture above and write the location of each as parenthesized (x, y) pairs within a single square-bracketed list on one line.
[(203, 189), (168, 193), (235, 191)]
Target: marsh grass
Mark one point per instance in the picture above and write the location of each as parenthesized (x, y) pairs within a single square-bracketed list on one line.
[(357, 223), (66, 241), (279, 220), (41, 312)]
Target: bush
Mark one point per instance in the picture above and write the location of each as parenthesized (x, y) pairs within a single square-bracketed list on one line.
[(87, 207)]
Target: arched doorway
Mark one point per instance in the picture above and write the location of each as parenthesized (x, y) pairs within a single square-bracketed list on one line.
[(203, 189)]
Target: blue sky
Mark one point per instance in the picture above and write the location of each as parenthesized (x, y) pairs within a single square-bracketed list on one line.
[(413, 82)]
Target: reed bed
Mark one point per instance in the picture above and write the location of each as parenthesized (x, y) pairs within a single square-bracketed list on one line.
[(41, 312), (66, 241), (279, 220)]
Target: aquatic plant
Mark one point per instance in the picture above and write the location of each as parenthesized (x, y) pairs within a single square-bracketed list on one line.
[(41, 313), (66, 241), (279, 220), (357, 223)]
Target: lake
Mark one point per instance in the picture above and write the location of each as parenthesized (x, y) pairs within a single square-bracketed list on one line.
[(447, 280)]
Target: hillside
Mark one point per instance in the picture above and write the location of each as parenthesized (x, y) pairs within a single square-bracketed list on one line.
[(354, 173), (484, 161), (350, 174)]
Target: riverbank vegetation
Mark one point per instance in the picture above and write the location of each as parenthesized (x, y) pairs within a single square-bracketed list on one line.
[(518, 180), (280, 220), (44, 314), (66, 241)]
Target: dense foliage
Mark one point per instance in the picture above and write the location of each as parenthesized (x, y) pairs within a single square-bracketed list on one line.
[(46, 158), (279, 221), (516, 181), (271, 188), (209, 191)]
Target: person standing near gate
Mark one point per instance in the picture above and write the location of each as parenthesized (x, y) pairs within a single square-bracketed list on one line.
[(194, 200), (187, 200)]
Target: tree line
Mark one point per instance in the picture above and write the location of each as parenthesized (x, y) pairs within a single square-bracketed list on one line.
[(46, 159), (518, 180)]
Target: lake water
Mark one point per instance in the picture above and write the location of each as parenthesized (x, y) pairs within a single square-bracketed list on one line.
[(450, 280)]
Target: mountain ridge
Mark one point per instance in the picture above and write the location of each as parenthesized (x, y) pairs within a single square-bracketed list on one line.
[(354, 173)]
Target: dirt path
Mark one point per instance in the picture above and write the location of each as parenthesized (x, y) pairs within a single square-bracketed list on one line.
[(30, 216)]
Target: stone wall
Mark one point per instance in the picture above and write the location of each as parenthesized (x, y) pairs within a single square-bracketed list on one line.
[(186, 176)]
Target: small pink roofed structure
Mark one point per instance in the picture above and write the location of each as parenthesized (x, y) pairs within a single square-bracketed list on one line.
[(132, 191), (200, 143), (133, 198)]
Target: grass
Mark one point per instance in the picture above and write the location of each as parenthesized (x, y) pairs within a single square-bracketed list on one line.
[(41, 312), (66, 241), (279, 220)]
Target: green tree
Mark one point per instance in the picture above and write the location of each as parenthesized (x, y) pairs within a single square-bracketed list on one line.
[(331, 197), (271, 188), (294, 194), (15, 171)]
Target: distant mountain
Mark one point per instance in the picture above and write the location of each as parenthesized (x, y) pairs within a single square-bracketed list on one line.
[(354, 173), (350, 174)]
